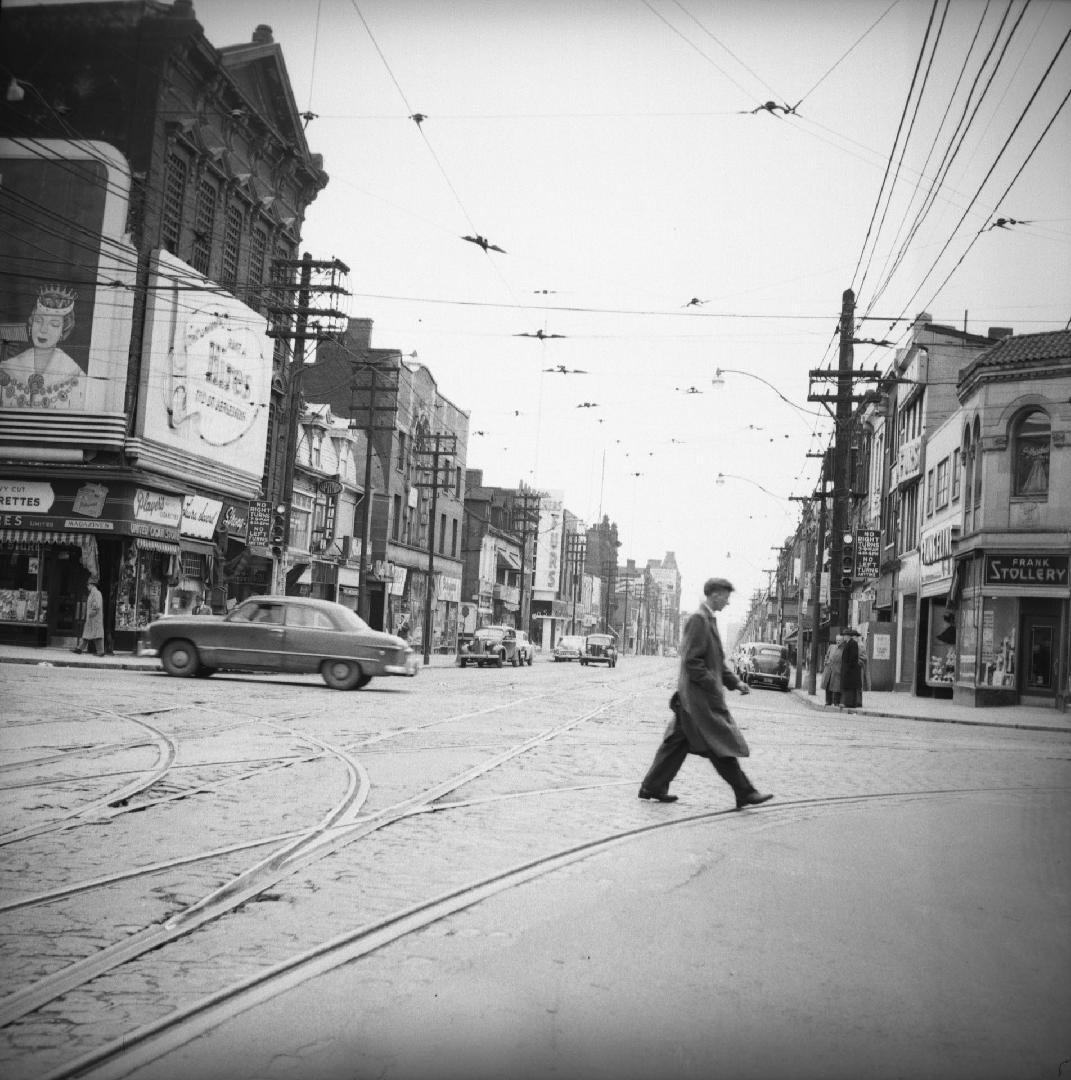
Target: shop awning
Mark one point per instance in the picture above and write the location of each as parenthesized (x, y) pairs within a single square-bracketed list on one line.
[(507, 560), (40, 536), (168, 547)]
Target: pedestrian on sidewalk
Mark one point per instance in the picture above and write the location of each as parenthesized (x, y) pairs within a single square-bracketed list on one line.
[(832, 669), (851, 671), (702, 723), (93, 626)]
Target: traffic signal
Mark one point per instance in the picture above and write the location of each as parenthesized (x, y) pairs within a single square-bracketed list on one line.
[(277, 535), (848, 562)]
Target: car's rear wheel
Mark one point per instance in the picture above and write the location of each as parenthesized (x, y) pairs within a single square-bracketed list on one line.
[(341, 674), (180, 658)]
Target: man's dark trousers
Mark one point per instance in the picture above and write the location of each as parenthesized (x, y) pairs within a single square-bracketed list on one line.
[(670, 757)]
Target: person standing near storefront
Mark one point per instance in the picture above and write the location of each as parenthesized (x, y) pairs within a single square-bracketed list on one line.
[(851, 671), (93, 627)]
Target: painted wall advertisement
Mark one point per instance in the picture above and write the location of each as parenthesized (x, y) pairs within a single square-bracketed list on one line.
[(207, 384), (549, 545), (65, 339)]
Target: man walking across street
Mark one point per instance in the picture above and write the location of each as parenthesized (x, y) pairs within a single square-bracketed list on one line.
[(702, 723)]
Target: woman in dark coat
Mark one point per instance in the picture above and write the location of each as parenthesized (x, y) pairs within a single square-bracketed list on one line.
[(851, 671), (701, 722)]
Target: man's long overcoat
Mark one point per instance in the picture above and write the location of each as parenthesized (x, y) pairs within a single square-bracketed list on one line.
[(704, 718)]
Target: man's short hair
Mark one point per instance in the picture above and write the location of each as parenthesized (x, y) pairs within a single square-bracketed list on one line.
[(717, 584)]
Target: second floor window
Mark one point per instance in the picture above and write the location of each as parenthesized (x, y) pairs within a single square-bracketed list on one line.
[(232, 246), (941, 492), (1031, 449), (204, 226), (174, 196), (956, 465)]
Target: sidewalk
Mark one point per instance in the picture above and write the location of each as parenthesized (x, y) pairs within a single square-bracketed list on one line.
[(907, 707)]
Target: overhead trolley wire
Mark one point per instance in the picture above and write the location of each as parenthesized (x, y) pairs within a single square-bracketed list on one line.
[(896, 140)]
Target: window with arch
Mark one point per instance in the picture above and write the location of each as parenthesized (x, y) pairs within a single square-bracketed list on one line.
[(1030, 449), (968, 477), (976, 451)]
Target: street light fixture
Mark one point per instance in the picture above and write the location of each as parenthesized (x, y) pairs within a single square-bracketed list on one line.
[(717, 380)]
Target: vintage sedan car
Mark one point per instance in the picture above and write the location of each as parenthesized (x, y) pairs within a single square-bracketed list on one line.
[(288, 634), (570, 647), (496, 646), (764, 663), (599, 649)]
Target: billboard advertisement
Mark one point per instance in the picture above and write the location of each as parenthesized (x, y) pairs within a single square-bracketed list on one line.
[(206, 377), (66, 295)]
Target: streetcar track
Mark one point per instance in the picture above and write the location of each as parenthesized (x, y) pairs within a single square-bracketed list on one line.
[(149, 1042), (312, 845)]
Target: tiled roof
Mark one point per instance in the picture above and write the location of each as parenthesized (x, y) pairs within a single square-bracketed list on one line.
[(1020, 349)]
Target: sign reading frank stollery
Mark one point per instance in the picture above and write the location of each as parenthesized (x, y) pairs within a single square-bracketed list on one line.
[(1027, 570)]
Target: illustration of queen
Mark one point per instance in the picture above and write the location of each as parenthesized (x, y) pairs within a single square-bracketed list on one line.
[(44, 376)]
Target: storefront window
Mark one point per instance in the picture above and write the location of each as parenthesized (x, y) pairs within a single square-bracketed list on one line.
[(967, 643), (20, 597), (998, 633), (941, 655), (141, 588)]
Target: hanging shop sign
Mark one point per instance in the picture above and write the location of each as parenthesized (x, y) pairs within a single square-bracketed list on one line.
[(1044, 570), (234, 520), (199, 516), (449, 589)]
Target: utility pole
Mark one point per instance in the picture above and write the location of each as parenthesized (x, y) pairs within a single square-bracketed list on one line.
[(576, 549), (379, 380), (298, 322), (528, 514), (435, 447)]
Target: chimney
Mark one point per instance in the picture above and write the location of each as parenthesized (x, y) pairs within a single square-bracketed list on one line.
[(1000, 332), (263, 35), (359, 333)]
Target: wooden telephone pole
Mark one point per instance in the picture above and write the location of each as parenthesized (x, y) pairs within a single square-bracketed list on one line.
[(432, 450)]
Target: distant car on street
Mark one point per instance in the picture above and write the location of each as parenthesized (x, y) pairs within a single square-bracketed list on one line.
[(287, 634), (764, 663), (496, 646), (570, 647), (599, 649)]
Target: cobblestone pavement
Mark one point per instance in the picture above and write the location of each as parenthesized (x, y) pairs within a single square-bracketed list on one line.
[(247, 744)]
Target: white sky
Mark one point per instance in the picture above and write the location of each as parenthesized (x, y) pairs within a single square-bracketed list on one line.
[(606, 152)]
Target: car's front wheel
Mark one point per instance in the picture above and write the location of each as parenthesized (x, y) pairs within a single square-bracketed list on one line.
[(531, 659), (180, 659), (341, 674), (515, 661), (500, 660)]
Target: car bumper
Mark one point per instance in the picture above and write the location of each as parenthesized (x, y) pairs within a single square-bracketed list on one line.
[(772, 680), (408, 669)]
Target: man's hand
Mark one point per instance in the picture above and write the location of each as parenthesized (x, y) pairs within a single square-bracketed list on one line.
[(744, 688)]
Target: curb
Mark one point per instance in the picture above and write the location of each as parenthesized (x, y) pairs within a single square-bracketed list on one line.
[(884, 714)]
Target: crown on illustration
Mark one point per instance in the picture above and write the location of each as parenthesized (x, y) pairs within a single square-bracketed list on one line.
[(55, 300)]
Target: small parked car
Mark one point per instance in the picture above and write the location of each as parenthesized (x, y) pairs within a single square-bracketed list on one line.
[(570, 647), (287, 634), (496, 646), (764, 663), (599, 649)]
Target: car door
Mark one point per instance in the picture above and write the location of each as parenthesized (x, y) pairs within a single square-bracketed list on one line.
[(253, 638), (309, 637)]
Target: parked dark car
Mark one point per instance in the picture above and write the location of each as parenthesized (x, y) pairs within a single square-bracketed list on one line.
[(496, 646), (599, 649), (764, 663), (289, 634)]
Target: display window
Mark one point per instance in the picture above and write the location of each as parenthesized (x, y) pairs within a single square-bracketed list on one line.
[(142, 588), (941, 654), (998, 631), (21, 599)]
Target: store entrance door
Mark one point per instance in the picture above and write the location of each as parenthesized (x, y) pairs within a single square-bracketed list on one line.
[(1040, 637), (64, 585)]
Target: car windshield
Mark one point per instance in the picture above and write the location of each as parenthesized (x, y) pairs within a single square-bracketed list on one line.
[(769, 654), (571, 643), (490, 635), (599, 639)]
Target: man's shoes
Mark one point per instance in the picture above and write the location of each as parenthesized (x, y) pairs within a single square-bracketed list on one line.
[(752, 798), (663, 796), (77, 652)]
